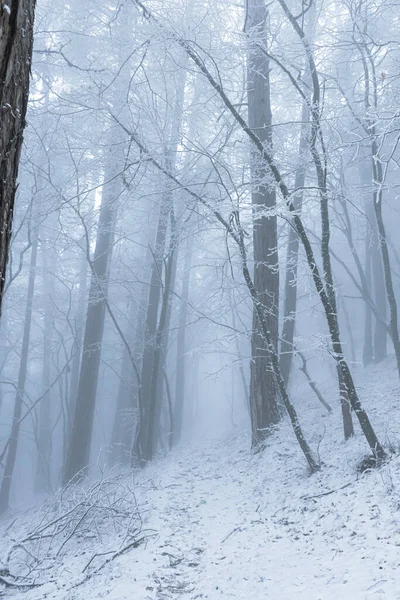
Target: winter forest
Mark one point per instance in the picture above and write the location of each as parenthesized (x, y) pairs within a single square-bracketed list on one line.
[(200, 278)]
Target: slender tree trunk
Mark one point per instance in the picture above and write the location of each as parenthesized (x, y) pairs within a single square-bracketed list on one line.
[(312, 383), (377, 203), (152, 322), (78, 455), (319, 157), (23, 368), (380, 332), (153, 366), (374, 264), (290, 298), (181, 375), (4, 351), (243, 379), (263, 393), (124, 417), (368, 352), (43, 464), (16, 37), (161, 345), (77, 344)]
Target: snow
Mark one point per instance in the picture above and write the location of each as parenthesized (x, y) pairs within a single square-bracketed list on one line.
[(232, 524)]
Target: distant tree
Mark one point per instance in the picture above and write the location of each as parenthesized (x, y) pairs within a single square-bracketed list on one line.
[(12, 443)]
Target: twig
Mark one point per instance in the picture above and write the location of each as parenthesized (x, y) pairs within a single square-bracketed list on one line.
[(231, 533), (326, 493)]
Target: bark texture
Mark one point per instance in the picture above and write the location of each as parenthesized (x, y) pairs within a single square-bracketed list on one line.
[(16, 38), (263, 394)]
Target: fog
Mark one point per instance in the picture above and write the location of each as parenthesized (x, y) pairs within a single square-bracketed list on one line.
[(204, 239)]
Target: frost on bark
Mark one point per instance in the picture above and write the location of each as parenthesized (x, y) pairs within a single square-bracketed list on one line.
[(263, 394), (16, 37)]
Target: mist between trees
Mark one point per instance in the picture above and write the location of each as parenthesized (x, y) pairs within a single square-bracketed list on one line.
[(206, 210)]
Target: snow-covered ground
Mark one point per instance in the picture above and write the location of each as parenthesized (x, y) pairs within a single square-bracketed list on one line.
[(231, 524)]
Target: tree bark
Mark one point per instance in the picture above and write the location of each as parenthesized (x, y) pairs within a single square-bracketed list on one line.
[(263, 393), (16, 39)]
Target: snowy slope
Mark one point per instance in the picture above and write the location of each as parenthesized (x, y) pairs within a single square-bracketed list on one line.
[(231, 524)]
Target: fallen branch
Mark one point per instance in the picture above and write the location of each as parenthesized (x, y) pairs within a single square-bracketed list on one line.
[(326, 493)]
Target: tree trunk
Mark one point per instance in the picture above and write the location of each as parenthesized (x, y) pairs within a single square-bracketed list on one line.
[(180, 380), (152, 323), (373, 262), (16, 37), (23, 368), (290, 298), (377, 203), (263, 394), (319, 157), (124, 417), (152, 368), (161, 345), (78, 455), (77, 345), (43, 464), (368, 351)]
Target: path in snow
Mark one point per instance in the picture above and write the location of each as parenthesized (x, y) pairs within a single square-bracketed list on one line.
[(226, 533), (256, 527)]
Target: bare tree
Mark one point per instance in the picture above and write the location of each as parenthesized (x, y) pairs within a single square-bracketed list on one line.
[(81, 435), (263, 393)]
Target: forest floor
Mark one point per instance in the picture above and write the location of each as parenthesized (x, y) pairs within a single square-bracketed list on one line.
[(231, 524)]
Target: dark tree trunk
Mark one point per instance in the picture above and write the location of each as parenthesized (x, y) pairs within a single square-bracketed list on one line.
[(126, 412), (16, 37), (263, 393), (152, 323)]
